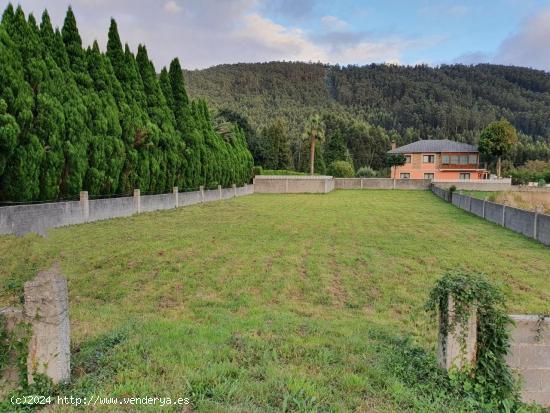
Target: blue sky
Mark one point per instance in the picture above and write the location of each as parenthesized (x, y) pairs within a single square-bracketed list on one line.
[(208, 32)]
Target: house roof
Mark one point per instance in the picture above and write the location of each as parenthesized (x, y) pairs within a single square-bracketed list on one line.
[(436, 146)]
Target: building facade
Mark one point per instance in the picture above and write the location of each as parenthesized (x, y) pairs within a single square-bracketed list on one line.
[(439, 160)]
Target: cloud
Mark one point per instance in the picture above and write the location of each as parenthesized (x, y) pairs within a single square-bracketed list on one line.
[(333, 23), (529, 46), (472, 58), (203, 33), (172, 7), (290, 9)]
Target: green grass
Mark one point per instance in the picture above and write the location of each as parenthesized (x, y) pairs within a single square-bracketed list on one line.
[(273, 303)]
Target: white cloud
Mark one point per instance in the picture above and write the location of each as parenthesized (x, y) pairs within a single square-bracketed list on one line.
[(172, 7), (529, 46), (203, 33), (333, 23)]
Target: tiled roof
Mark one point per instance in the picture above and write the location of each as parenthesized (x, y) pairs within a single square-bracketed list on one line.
[(436, 146)]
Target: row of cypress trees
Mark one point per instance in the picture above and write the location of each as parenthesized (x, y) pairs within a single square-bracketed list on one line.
[(75, 119)]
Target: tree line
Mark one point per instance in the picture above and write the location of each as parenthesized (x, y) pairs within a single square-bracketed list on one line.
[(74, 118), (369, 106)]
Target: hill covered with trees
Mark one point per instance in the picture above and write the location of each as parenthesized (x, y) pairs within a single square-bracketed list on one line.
[(74, 118), (366, 107)]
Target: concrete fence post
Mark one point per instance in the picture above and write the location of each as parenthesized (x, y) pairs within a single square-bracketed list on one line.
[(361, 183), (538, 210), (286, 186), (220, 191), (201, 189), (503, 215), (484, 202), (234, 190), (84, 206), (394, 183), (246, 189), (175, 191), (457, 348), (47, 310), (137, 201)]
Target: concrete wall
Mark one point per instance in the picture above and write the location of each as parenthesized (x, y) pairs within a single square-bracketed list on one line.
[(531, 224), (22, 219), (480, 185), (289, 184), (380, 183), (529, 357)]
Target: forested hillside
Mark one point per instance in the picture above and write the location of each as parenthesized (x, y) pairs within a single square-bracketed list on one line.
[(75, 119), (382, 101)]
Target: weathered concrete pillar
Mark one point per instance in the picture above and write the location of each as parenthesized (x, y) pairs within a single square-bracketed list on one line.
[(220, 191), (538, 210), (361, 183), (246, 189), (84, 206), (503, 215), (201, 189), (137, 201), (484, 202), (47, 310), (175, 191), (286, 186), (234, 190), (457, 348)]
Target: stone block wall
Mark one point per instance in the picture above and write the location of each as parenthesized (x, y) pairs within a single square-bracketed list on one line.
[(529, 357)]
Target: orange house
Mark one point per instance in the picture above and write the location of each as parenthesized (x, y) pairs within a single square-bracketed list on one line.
[(439, 160)]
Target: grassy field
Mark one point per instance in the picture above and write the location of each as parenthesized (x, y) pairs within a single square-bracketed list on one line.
[(273, 302)]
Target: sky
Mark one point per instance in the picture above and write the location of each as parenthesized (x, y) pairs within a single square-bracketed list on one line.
[(203, 33)]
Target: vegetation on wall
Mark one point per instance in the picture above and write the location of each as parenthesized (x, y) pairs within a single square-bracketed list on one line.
[(489, 381), (74, 118), (372, 105)]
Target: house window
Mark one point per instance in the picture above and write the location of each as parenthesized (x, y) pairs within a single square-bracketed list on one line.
[(463, 160), (428, 176), (428, 158), (407, 158), (446, 160), (465, 176), (473, 160), (405, 175)]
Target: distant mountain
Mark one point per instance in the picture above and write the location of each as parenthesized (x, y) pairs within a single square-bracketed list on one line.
[(421, 102)]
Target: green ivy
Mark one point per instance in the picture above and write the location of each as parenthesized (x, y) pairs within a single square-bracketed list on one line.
[(489, 381)]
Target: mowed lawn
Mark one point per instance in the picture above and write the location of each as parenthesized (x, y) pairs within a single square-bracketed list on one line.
[(272, 302)]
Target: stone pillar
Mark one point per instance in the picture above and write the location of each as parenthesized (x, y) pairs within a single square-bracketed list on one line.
[(175, 191), (220, 191), (234, 190), (538, 210), (201, 189), (361, 183), (137, 201), (47, 310), (457, 348), (84, 206)]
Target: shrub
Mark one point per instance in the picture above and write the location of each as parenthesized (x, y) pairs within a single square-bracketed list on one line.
[(452, 188), (366, 172), (341, 169), (257, 170)]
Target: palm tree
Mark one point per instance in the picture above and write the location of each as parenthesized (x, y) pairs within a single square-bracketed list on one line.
[(314, 131)]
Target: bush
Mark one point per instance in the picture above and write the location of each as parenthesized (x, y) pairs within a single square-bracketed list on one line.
[(257, 170), (452, 188), (366, 172), (341, 169)]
